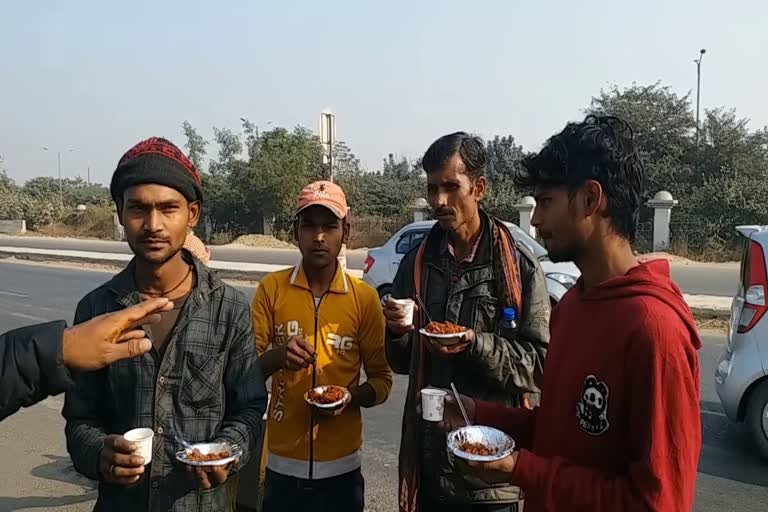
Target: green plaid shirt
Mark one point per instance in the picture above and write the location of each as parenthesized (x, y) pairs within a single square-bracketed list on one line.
[(208, 384)]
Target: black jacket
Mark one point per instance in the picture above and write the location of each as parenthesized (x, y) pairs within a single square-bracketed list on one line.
[(493, 368), (31, 364)]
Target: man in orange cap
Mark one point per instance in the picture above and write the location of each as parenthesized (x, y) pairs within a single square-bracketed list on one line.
[(323, 326)]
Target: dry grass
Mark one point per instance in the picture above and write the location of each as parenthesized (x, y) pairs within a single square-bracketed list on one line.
[(713, 251), (95, 222), (372, 231)]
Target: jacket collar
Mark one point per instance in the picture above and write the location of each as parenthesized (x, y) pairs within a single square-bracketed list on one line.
[(339, 284), (123, 285)]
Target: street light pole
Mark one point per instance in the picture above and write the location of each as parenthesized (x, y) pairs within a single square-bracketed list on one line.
[(61, 191), (698, 90), (61, 186)]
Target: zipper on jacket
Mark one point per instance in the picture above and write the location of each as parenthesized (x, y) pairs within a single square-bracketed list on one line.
[(314, 385)]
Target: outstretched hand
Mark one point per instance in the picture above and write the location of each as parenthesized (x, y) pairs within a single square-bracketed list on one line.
[(110, 337)]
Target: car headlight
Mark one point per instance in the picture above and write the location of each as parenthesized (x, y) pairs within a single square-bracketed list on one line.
[(566, 280)]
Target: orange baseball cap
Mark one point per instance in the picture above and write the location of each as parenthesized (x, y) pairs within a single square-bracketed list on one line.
[(323, 193)]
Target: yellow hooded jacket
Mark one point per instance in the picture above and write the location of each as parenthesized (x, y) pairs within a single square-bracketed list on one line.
[(346, 328)]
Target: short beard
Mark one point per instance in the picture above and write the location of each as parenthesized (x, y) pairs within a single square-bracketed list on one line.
[(562, 255), (157, 262)]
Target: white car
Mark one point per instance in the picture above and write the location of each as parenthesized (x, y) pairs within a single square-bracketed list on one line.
[(382, 262)]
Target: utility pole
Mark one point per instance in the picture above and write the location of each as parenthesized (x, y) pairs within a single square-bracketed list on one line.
[(698, 90), (89, 175), (61, 190), (61, 186), (328, 139)]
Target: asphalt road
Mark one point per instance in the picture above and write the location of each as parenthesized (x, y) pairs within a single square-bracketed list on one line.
[(37, 474), (699, 279)]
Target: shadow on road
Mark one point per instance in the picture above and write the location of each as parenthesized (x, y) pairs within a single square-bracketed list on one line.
[(58, 469), (44, 502), (727, 451)]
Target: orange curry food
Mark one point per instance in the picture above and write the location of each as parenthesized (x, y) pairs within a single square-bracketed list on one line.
[(329, 395), (443, 328), (476, 449), (198, 456)]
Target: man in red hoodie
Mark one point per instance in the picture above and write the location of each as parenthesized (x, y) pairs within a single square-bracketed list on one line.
[(618, 428)]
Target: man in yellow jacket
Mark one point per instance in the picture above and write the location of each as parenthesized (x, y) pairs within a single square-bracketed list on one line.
[(323, 327)]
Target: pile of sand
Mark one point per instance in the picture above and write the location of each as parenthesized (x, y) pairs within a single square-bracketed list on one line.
[(263, 241)]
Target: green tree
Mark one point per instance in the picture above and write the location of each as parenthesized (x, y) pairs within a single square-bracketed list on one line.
[(663, 124), (195, 145), (504, 160)]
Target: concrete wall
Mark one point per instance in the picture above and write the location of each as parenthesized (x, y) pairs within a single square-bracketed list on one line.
[(13, 227)]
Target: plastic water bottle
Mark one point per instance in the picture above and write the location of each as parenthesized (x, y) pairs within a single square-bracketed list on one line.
[(508, 324)]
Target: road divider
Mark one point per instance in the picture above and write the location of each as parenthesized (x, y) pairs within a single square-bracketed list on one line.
[(226, 269), (703, 306)]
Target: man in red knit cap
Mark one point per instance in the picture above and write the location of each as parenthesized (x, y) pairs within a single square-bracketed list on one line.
[(200, 382), (619, 427)]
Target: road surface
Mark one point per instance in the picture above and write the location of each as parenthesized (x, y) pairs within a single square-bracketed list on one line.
[(696, 279), (41, 478)]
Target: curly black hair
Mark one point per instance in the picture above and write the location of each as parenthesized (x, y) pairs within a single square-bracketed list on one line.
[(470, 148), (602, 148)]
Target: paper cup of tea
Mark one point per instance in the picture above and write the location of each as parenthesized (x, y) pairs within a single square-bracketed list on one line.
[(408, 305), (142, 437), (432, 404)]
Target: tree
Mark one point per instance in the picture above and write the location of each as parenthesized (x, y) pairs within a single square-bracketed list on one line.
[(663, 125), (7, 184), (195, 145)]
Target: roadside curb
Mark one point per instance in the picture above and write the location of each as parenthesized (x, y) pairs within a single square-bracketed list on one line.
[(703, 307), (118, 265), (225, 269)]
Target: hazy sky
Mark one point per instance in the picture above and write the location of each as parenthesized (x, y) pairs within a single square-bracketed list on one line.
[(96, 77)]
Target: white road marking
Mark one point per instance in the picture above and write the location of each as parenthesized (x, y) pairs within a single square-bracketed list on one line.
[(13, 294), (27, 317)]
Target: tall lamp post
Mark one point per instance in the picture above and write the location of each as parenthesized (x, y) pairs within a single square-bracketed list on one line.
[(61, 189), (328, 139), (698, 89)]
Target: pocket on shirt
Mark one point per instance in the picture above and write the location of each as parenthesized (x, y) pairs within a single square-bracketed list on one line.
[(484, 316), (201, 378)]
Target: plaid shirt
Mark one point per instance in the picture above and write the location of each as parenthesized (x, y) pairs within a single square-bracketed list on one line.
[(208, 384)]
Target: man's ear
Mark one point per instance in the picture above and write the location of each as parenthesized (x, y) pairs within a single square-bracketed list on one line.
[(593, 198), (195, 208), (480, 187)]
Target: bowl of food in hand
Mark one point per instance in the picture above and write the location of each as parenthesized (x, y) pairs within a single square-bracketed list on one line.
[(444, 333), (326, 397), (209, 454), (480, 443)]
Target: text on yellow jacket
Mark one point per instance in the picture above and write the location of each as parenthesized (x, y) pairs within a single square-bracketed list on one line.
[(346, 328)]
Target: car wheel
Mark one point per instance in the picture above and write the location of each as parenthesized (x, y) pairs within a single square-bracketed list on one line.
[(757, 416), (385, 291)]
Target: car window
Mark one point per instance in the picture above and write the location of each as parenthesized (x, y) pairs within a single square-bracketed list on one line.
[(536, 248), (416, 238), (404, 244)]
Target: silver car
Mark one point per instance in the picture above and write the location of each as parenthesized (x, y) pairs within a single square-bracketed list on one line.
[(382, 263), (740, 377)]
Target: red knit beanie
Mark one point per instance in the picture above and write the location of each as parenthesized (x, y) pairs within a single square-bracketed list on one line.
[(156, 160)]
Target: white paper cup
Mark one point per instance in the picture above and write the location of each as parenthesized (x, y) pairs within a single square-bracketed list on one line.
[(432, 404), (142, 437), (408, 305)]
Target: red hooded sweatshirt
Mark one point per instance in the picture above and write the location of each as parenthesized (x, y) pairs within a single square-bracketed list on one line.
[(618, 429)]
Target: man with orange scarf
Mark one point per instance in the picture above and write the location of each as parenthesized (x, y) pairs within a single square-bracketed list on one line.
[(468, 270)]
